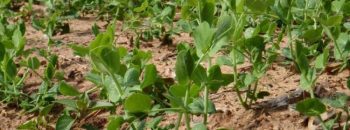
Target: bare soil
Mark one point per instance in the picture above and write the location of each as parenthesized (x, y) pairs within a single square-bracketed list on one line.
[(280, 80)]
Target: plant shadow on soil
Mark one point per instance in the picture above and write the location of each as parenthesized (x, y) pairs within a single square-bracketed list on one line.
[(279, 81)]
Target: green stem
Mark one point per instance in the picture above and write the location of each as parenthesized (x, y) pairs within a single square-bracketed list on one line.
[(254, 91), (322, 123), (187, 116), (235, 76), (206, 98), (167, 109), (179, 118)]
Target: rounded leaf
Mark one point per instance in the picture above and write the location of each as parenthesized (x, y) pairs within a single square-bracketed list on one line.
[(138, 103), (311, 107)]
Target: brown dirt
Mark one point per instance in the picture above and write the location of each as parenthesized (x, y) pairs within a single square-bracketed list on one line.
[(279, 80)]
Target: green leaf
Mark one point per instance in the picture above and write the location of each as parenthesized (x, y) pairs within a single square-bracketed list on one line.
[(330, 123), (79, 50), (313, 35), (200, 126), (207, 11), (240, 5), (155, 122), (49, 71), (112, 92), (259, 5), (203, 37), (301, 58), (102, 39), (95, 30), (115, 123), (33, 63), (199, 75), (337, 5), (337, 101), (150, 76), (311, 107), (111, 59), (178, 90), (138, 103), (224, 26), (224, 60), (143, 6), (101, 105), (2, 52), (68, 103), (333, 20), (197, 107), (64, 122), (67, 89), (131, 77), (29, 125), (184, 67), (18, 39), (11, 69), (322, 59), (45, 111)]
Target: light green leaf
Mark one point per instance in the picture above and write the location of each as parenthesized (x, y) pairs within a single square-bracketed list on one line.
[(203, 37), (115, 123), (67, 89)]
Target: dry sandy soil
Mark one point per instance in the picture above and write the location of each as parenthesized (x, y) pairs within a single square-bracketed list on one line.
[(280, 81)]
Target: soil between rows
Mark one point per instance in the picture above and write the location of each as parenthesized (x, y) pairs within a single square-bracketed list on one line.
[(279, 80)]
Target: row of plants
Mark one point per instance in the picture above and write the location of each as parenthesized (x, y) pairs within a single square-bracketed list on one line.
[(239, 31)]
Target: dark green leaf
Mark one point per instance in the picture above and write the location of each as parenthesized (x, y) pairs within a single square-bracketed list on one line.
[(207, 11), (11, 69), (132, 77), (64, 122), (150, 76), (95, 30), (111, 59), (33, 63), (199, 75), (184, 67), (311, 107)]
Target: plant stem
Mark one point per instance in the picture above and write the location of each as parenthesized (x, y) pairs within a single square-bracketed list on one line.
[(235, 76), (206, 93), (206, 96), (179, 118), (322, 123), (187, 116), (254, 91)]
